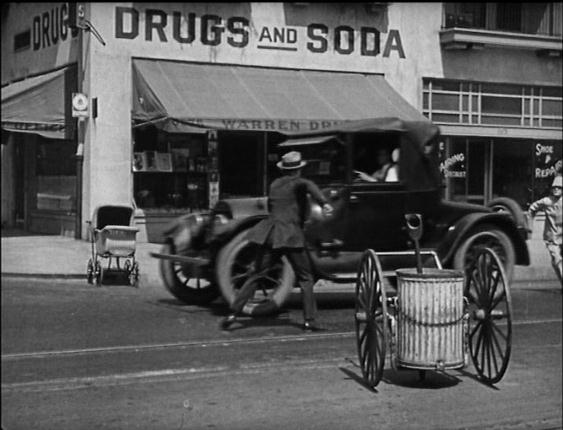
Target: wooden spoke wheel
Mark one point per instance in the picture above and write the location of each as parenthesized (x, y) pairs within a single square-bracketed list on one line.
[(90, 272), (188, 285), (134, 275), (490, 310), (98, 273), (371, 318)]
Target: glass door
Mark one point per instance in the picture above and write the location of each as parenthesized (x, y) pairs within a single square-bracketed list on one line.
[(478, 180)]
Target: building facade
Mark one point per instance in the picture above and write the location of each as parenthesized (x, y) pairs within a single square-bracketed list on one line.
[(184, 101)]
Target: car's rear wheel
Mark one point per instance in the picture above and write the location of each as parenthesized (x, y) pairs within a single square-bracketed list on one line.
[(192, 290), (235, 265), (485, 236)]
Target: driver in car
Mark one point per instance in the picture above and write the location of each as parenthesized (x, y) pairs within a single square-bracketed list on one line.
[(388, 170), (282, 231)]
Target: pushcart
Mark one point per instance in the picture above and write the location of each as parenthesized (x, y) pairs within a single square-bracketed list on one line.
[(433, 318), (112, 238)]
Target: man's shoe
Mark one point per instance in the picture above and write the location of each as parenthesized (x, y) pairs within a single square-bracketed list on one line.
[(227, 321)]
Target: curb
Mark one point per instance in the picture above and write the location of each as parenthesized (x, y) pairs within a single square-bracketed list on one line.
[(43, 275)]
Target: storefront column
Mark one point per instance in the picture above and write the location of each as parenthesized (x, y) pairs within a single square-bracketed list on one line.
[(108, 142)]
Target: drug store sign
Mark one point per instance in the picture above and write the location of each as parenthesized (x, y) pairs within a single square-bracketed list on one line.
[(189, 29)]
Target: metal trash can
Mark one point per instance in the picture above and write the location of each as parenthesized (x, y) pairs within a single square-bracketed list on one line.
[(430, 323)]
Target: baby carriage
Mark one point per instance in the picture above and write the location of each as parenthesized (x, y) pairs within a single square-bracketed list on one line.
[(112, 236)]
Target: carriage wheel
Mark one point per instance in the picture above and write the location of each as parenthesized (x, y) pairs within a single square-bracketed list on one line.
[(371, 318), (98, 273), (490, 310), (90, 272), (134, 275)]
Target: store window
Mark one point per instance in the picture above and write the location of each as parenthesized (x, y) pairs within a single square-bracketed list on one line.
[(56, 175), (170, 170), (477, 170), (464, 166), (453, 167)]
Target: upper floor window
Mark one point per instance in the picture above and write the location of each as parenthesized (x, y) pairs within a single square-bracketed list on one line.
[(479, 103), (528, 18)]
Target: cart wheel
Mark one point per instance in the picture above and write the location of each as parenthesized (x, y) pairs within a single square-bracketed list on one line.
[(98, 273), (134, 275), (90, 272), (371, 318), (490, 309)]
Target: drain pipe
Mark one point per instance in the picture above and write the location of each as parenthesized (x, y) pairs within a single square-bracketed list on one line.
[(79, 169), (81, 131)]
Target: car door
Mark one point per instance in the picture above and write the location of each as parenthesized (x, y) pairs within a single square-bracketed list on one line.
[(375, 217)]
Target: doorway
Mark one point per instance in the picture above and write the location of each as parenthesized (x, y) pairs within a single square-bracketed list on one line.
[(19, 185), (467, 169)]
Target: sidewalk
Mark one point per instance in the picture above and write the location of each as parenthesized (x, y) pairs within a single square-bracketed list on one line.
[(30, 255), (47, 256)]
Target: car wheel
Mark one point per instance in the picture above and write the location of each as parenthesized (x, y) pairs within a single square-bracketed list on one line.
[(186, 288), (235, 265), (485, 236)]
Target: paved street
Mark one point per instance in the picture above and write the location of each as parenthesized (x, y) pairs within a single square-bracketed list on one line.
[(76, 356)]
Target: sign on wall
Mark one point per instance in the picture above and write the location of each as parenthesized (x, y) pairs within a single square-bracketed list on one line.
[(214, 30), (546, 160), (80, 105)]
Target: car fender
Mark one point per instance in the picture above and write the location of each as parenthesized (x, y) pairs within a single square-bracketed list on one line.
[(459, 231), (514, 210)]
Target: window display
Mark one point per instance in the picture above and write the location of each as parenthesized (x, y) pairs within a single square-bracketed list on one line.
[(170, 170)]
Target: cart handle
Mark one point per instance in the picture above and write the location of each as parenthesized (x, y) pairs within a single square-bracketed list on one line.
[(414, 225)]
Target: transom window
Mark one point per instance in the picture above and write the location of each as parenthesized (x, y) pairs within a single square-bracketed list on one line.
[(480, 103)]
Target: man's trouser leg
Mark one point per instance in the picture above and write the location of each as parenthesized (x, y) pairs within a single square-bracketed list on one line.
[(249, 288), (301, 264), (555, 253)]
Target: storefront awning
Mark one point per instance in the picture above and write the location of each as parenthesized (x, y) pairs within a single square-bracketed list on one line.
[(38, 105), (191, 97)]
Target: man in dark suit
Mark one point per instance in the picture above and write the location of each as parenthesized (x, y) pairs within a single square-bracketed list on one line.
[(282, 231)]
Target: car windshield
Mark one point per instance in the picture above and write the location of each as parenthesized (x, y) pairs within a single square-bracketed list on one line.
[(326, 162)]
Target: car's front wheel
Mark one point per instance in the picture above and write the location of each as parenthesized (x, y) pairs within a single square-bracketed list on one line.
[(236, 265), (183, 285), (485, 236)]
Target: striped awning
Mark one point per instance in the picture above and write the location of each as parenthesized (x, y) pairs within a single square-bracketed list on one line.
[(190, 97), (40, 105)]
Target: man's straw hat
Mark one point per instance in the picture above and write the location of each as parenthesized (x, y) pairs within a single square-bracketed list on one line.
[(291, 160)]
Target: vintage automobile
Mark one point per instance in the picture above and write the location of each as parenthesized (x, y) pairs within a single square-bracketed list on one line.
[(207, 254)]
